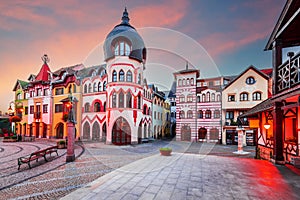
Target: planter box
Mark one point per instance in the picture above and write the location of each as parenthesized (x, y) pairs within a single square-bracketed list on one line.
[(9, 140), (165, 152)]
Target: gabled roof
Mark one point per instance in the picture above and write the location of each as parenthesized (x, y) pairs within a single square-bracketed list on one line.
[(23, 85), (249, 68), (287, 27)]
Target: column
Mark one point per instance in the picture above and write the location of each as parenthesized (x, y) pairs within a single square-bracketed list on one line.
[(70, 147), (278, 133)]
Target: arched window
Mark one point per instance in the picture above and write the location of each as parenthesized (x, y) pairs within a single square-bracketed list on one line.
[(114, 76), (213, 97), (95, 87), (179, 82), (182, 98), (250, 80), (104, 86), (145, 110), (256, 96), (203, 98), (200, 114), (217, 114), (121, 76), (104, 107), (86, 107), (121, 100), (187, 82), (218, 97), (114, 100), (192, 81), (85, 88), (128, 100), (244, 96), (198, 99), (122, 48), (189, 98), (97, 107), (207, 114), (90, 88), (190, 114), (183, 82), (139, 79), (208, 96), (129, 76), (181, 114), (139, 101), (99, 87)]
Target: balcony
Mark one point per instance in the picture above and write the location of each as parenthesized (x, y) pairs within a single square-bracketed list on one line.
[(235, 123), (288, 74), (37, 115)]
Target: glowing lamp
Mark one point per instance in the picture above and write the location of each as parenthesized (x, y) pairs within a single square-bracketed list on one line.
[(267, 125)]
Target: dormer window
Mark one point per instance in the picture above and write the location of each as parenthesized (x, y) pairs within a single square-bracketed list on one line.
[(122, 48)]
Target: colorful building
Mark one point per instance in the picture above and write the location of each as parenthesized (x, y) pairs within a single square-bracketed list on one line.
[(278, 117), (248, 89)]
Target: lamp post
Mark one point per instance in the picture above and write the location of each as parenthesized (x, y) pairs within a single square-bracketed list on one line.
[(11, 113), (71, 131)]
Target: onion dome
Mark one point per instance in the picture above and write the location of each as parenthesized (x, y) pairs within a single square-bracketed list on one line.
[(124, 40)]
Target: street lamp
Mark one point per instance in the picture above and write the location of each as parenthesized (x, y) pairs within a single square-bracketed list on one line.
[(267, 125), (11, 113)]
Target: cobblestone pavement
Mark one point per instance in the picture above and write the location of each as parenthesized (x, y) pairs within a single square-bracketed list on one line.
[(56, 179)]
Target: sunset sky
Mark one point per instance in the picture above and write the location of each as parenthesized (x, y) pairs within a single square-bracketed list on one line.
[(233, 32)]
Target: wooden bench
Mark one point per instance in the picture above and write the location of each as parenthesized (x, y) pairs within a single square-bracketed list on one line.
[(36, 155)]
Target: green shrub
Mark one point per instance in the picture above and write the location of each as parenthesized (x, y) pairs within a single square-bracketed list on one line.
[(165, 149)]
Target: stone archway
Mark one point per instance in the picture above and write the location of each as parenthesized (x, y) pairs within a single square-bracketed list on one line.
[(202, 132), (121, 132), (86, 131), (96, 131)]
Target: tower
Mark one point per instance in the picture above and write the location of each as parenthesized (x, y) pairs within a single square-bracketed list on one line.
[(125, 55)]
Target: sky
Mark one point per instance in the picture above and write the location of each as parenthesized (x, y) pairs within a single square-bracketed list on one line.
[(233, 34)]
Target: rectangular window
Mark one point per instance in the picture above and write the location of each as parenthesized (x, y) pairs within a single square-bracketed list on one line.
[(39, 92), (31, 110), (45, 108), (26, 110), (231, 97), (58, 108), (229, 115), (46, 93), (59, 91), (154, 114)]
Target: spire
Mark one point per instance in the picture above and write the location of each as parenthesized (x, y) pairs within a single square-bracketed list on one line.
[(187, 65), (125, 18)]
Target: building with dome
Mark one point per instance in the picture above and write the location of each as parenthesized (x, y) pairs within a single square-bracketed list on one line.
[(113, 102)]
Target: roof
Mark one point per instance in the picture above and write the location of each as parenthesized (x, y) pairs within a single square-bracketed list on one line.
[(241, 74), (265, 105), (186, 71), (23, 85), (287, 26), (43, 75)]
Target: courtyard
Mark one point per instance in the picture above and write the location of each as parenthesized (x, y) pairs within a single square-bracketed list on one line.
[(100, 171)]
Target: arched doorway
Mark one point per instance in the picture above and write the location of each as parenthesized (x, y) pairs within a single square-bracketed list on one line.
[(202, 133), (140, 133), (186, 133), (96, 131), (60, 131), (145, 130), (121, 133), (86, 131), (104, 132)]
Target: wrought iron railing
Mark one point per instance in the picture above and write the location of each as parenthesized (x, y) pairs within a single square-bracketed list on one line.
[(288, 74)]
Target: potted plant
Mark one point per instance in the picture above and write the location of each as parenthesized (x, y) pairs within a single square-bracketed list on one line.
[(165, 151), (61, 144)]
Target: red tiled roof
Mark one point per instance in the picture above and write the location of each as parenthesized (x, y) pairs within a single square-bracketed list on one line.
[(43, 75), (267, 71)]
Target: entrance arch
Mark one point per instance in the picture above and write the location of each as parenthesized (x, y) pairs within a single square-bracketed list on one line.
[(96, 131), (121, 133), (202, 132), (60, 131), (86, 131), (186, 133)]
